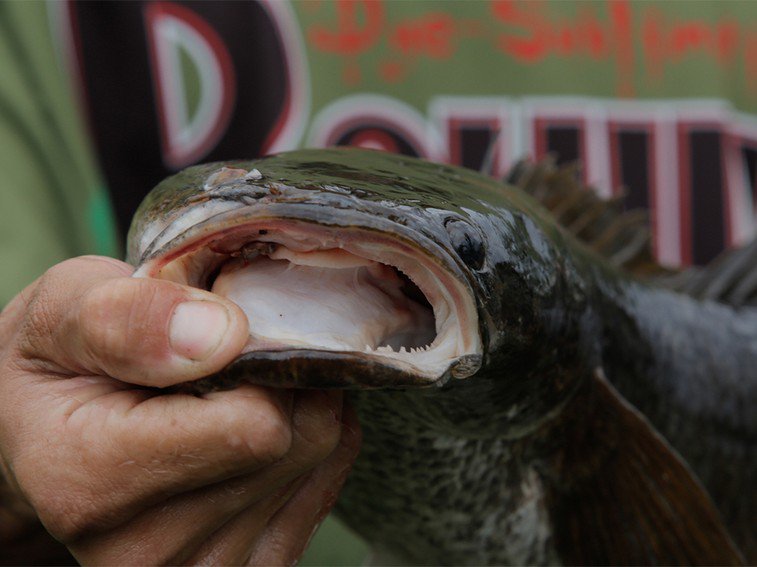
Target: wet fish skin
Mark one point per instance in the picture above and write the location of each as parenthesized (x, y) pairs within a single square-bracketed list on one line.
[(563, 313), (528, 460), (467, 431)]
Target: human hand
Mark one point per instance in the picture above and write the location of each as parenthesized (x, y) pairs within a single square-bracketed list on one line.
[(121, 473)]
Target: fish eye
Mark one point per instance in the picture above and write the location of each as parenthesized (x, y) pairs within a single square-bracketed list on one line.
[(467, 242)]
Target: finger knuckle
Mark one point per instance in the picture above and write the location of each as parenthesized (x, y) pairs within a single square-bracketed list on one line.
[(99, 315), (43, 313), (13, 314), (318, 432), (115, 318), (66, 509), (59, 279), (70, 519), (323, 442), (64, 505), (270, 434), (49, 303)]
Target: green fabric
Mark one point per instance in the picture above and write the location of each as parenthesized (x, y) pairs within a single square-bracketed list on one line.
[(52, 201), (334, 545)]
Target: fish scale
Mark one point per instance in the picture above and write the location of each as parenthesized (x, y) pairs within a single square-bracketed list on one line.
[(442, 498)]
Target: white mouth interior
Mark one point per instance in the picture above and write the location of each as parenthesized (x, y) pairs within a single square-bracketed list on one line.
[(308, 287), (359, 304)]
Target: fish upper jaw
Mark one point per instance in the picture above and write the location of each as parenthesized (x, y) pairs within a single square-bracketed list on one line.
[(325, 288)]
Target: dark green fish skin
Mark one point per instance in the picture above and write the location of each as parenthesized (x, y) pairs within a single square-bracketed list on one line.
[(558, 450)]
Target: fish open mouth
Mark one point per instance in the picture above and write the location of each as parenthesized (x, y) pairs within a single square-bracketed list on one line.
[(330, 305)]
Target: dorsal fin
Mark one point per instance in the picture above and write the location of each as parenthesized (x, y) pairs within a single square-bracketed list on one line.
[(730, 278), (624, 237)]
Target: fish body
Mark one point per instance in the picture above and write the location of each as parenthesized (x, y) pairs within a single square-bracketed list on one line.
[(524, 401)]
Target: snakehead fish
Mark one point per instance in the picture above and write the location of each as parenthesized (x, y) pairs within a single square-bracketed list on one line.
[(528, 393)]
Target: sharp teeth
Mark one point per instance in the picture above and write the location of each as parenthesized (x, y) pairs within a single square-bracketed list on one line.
[(402, 349)]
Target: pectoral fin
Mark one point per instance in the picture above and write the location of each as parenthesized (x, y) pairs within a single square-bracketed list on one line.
[(624, 496)]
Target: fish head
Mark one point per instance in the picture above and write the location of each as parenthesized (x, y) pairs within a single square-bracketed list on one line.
[(356, 268)]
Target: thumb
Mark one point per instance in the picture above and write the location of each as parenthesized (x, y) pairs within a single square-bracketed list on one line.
[(143, 331)]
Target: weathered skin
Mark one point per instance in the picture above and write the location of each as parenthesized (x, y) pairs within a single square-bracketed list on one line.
[(535, 458)]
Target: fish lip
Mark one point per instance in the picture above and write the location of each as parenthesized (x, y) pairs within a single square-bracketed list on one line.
[(312, 212), (319, 369), (322, 213), (172, 242)]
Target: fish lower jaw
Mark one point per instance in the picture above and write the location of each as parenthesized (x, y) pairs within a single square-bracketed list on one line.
[(427, 363)]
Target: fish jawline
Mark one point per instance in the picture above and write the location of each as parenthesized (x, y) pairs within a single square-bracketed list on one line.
[(197, 251), (321, 369)]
